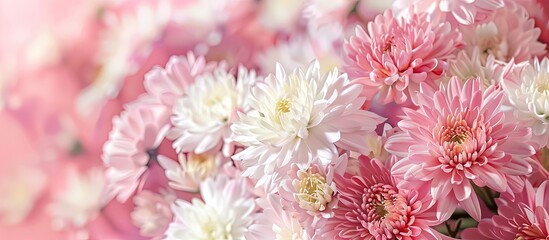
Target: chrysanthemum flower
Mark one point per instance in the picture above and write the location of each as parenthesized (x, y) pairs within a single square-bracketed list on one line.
[(132, 144), (275, 222), (170, 83), (226, 212), (394, 55), (457, 138), (310, 194), (191, 169), (528, 90), (464, 12), (202, 117), (152, 213), (301, 116), (469, 65), (80, 200), (524, 216), (509, 33), (372, 207)]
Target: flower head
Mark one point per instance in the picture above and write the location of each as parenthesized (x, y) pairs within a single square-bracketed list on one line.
[(371, 206), (456, 138), (226, 211), (509, 33), (524, 216), (202, 117), (152, 213), (527, 87), (132, 144), (394, 55), (80, 200), (299, 117)]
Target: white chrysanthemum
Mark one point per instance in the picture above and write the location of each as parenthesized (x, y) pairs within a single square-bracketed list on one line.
[(202, 117), (228, 210), (528, 91), (301, 116), (80, 201), (191, 169), (468, 66)]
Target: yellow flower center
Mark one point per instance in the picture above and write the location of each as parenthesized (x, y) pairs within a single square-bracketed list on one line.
[(312, 191), (283, 106)]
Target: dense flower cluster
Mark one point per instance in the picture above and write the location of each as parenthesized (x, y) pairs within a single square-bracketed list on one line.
[(306, 119)]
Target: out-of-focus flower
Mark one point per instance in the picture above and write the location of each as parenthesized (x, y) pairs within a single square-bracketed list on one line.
[(372, 207), (457, 138), (300, 117), (132, 145), (464, 11), (394, 55), (320, 12), (128, 36), (281, 15), (524, 216), (152, 213), (507, 34), (226, 211), (203, 116), (80, 200), (20, 188), (192, 169), (527, 87)]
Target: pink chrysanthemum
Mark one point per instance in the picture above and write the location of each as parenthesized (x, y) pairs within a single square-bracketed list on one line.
[(457, 137), (132, 143), (372, 207), (523, 217), (394, 55), (464, 12), (509, 33)]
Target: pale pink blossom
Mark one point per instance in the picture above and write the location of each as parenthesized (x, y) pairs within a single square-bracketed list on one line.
[(371, 206), (132, 145), (311, 194), (299, 117), (524, 216), (457, 138), (152, 213), (78, 200), (170, 83), (508, 33), (464, 12), (394, 55), (275, 222)]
